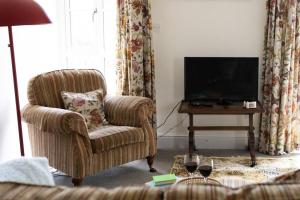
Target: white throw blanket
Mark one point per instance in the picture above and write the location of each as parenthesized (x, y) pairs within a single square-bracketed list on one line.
[(33, 171)]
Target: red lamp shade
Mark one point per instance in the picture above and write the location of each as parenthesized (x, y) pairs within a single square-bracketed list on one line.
[(21, 12)]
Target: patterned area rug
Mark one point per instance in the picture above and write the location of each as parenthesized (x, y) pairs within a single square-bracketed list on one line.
[(266, 169)]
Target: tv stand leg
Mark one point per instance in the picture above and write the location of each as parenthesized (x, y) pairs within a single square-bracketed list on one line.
[(192, 146), (251, 141)]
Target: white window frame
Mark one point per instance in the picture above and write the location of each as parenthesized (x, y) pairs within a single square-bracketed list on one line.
[(98, 13)]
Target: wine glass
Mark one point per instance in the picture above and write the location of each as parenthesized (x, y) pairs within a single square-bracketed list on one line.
[(206, 168), (191, 163)]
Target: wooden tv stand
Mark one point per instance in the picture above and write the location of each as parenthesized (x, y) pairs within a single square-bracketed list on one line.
[(234, 109)]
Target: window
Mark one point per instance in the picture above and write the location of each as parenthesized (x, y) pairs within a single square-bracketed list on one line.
[(90, 36)]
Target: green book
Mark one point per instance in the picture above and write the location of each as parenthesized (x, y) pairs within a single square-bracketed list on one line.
[(164, 179)]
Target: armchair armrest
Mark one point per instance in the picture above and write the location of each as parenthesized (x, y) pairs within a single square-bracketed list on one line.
[(127, 110), (54, 120)]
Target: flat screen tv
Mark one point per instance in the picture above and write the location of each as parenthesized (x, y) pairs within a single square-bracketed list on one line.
[(220, 79)]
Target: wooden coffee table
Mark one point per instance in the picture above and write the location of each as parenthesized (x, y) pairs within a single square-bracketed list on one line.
[(234, 109)]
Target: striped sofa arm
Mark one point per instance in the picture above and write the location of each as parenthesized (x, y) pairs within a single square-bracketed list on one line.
[(10, 191), (128, 110), (193, 191), (54, 120)]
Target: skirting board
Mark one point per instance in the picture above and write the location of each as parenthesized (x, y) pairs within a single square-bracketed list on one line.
[(204, 142)]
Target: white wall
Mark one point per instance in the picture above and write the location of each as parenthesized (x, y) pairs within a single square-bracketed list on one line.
[(36, 51), (202, 28)]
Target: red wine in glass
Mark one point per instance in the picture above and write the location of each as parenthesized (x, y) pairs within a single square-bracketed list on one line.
[(191, 163), (191, 166), (206, 168)]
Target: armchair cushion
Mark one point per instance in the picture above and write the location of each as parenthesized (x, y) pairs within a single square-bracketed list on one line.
[(110, 137), (128, 110), (89, 104), (54, 120)]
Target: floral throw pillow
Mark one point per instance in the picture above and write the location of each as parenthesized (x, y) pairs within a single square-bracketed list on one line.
[(89, 104)]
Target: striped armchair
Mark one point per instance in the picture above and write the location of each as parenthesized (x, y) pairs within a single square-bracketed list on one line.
[(62, 135)]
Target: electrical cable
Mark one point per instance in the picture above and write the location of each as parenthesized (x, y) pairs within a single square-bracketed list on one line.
[(168, 131), (164, 122)]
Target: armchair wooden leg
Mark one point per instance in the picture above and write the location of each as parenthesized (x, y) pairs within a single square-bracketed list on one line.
[(150, 160), (77, 181)]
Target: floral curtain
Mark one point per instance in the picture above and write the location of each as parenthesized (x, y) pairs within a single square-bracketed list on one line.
[(135, 59), (280, 121)]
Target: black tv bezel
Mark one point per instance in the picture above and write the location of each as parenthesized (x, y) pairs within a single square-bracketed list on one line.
[(215, 100)]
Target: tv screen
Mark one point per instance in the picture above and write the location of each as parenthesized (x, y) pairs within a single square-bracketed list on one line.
[(221, 78)]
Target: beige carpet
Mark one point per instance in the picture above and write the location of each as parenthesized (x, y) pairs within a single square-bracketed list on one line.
[(266, 169)]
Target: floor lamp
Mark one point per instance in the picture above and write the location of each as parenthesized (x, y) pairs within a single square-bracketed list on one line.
[(16, 13)]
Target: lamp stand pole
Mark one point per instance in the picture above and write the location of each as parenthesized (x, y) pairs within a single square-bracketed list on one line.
[(13, 64)]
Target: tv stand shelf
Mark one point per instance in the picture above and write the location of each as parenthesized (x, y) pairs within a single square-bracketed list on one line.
[(234, 109)]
